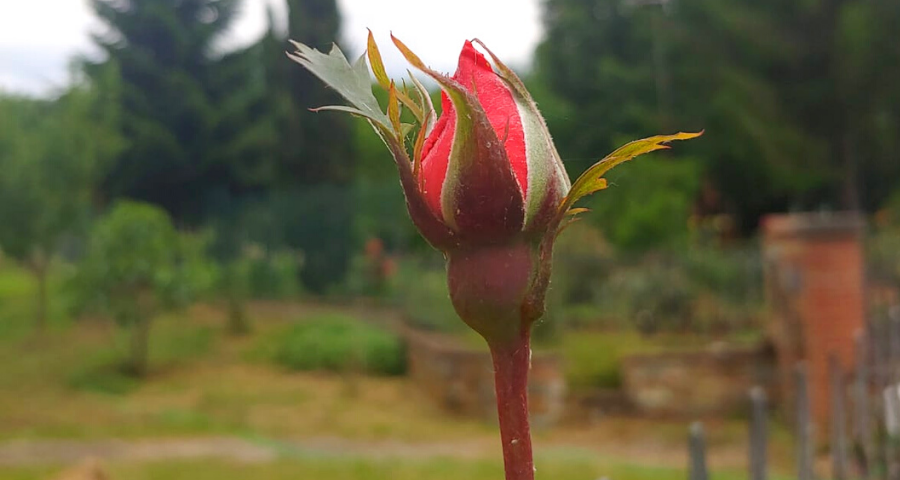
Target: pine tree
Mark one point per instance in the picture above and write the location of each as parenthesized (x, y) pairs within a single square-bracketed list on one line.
[(315, 165), (796, 97), (164, 50)]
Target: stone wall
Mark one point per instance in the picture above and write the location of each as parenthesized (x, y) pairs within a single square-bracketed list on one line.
[(715, 381), (461, 378)]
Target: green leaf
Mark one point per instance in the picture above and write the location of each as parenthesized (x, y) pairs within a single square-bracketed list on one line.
[(381, 75), (591, 180), (377, 63), (393, 107), (351, 82)]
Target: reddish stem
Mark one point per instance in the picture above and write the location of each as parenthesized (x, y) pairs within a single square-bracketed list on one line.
[(511, 364)]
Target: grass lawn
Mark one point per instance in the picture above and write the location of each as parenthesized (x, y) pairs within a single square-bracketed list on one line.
[(206, 383), (555, 467)]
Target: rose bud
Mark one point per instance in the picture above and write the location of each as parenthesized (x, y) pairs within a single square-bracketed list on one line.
[(490, 173), (485, 186)]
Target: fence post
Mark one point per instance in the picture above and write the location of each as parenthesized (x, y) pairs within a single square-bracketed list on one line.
[(758, 428), (697, 453), (838, 421), (804, 426), (861, 428)]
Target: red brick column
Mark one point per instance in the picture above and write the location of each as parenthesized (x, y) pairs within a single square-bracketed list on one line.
[(814, 275)]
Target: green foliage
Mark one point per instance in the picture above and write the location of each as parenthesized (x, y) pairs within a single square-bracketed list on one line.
[(883, 255), (137, 264), (582, 259), (107, 378), (52, 155), (653, 295), (648, 204), (270, 275), (797, 98), (693, 287), (338, 343), (733, 274), (137, 261), (593, 359), (315, 158), (890, 211), (173, 103), (176, 341), (422, 295)]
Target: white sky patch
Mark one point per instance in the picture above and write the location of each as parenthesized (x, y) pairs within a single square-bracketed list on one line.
[(38, 38)]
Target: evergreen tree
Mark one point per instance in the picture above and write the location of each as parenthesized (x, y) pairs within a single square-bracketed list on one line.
[(796, 97), (313, 198), (170, 106)]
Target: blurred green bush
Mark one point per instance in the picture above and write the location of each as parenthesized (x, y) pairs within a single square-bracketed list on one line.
[(337, 343), (270, 274), (420, 291), (691, 288), (137, 266), (648, 204)]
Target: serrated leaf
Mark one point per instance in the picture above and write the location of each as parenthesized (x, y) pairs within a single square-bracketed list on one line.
[(394, 108), (590, 181), (377, 64), (382, 77), (575, 211), (351, 82)]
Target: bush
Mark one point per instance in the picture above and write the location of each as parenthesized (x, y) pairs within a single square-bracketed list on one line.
[(883, 255), (734, 275), (422, 295), (271, 274), (339, 343), (109, 379), (138, 265), (654, 295), (648, 204), (582, 260)]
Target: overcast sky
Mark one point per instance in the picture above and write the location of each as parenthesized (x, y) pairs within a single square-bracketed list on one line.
[(39, 37)]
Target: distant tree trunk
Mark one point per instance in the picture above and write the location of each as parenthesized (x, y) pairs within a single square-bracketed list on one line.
[(140, 340), (236, 293), (851, 193), (238, 323), (40, 269)]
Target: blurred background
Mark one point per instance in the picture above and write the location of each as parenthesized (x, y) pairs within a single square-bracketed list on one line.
[(200, 278)]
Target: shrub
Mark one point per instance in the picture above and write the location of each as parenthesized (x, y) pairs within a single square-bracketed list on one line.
[(422, 295), (106, 378), (883, 255), (654, 295), (583, 260), (271, 274), (339, 343), (137, 265), (734, 275), (649, 204)]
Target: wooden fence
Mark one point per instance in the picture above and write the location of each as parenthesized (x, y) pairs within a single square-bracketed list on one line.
[(864, 435)]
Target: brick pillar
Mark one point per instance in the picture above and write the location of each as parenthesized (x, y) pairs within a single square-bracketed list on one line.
[(814, 275)]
